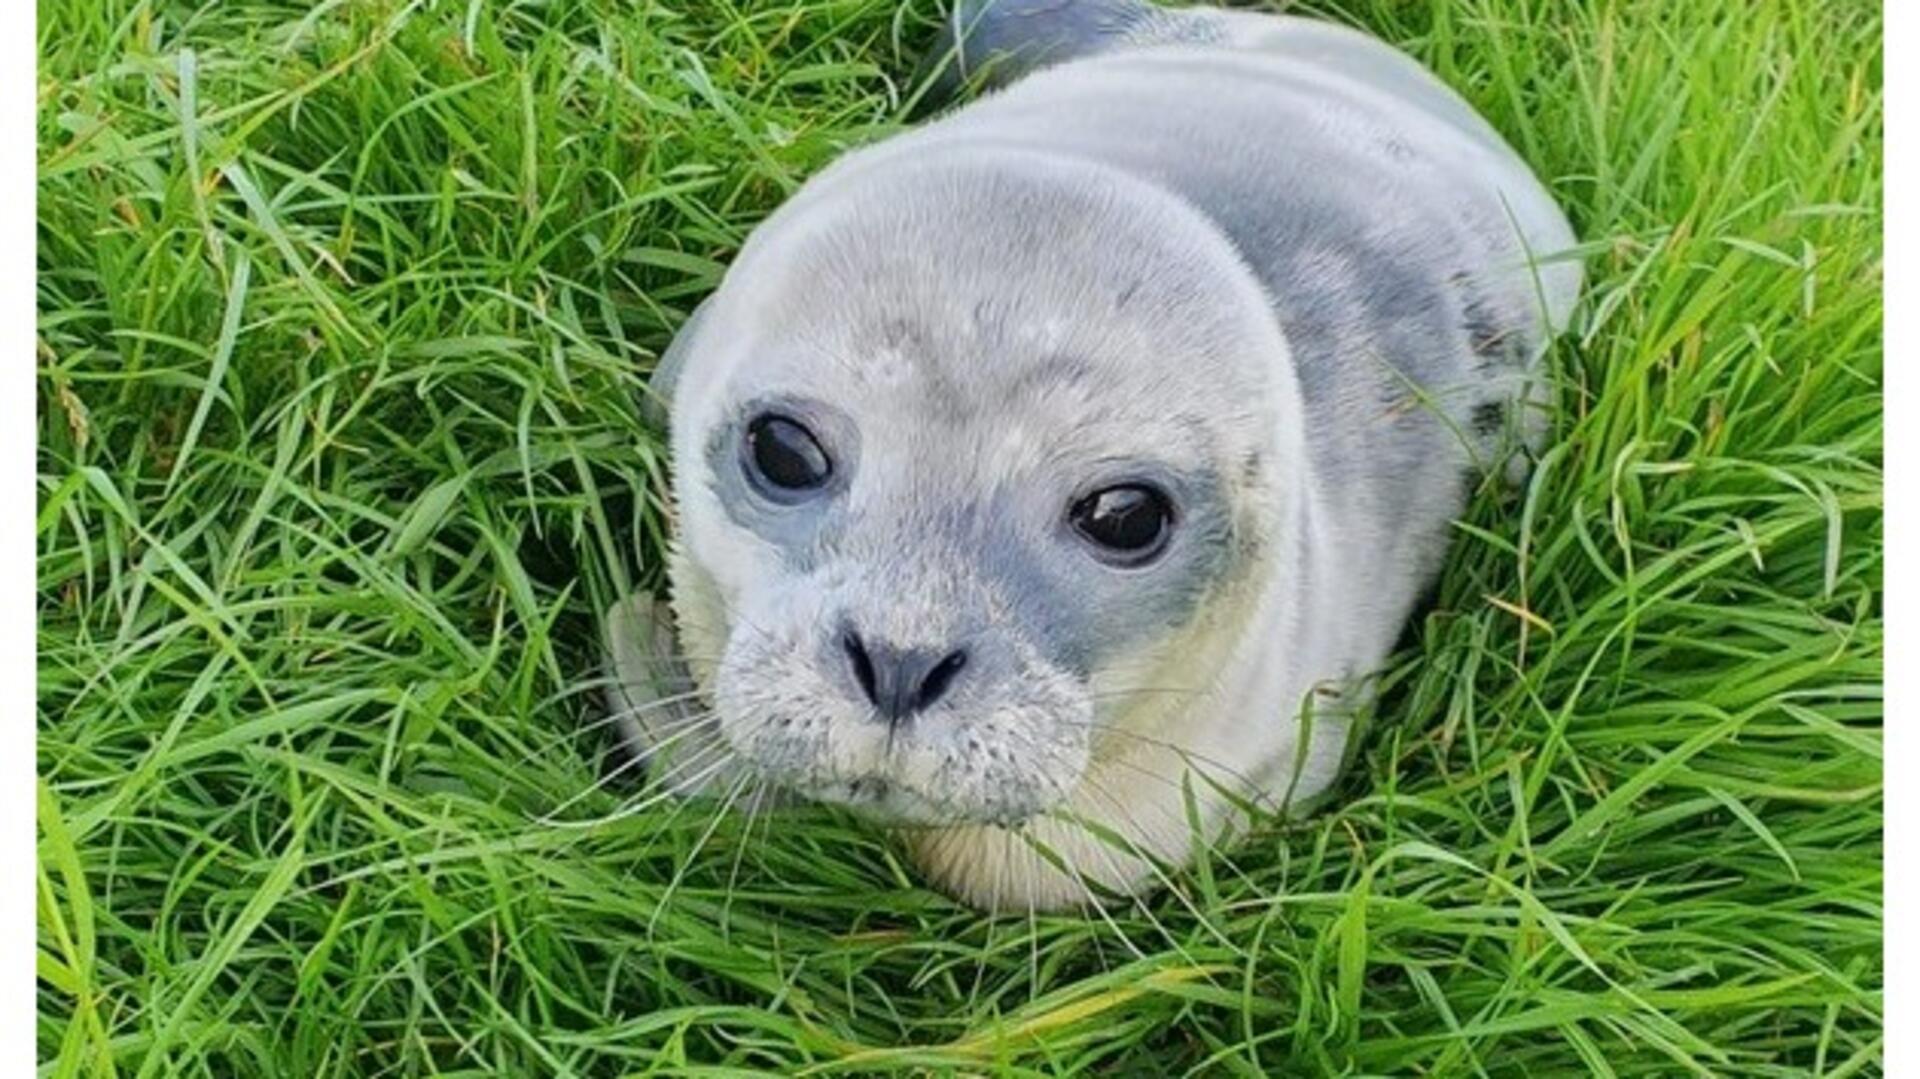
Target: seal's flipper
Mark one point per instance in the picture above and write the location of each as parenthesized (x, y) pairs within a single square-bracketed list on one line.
[(993, 42), (658, 714)]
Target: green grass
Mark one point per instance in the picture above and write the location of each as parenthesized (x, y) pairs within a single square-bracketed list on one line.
[(344, 312)]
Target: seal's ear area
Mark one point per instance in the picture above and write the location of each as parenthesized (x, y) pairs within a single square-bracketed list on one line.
[(991, 43), (657, 404)]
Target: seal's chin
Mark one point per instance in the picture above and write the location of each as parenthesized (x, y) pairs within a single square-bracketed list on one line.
[(997, 767)]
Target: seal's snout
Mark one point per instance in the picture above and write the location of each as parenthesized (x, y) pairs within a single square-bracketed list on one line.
[(917, 709), (900, 682)]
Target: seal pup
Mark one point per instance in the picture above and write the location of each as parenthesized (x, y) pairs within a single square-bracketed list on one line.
[(1049, 478)]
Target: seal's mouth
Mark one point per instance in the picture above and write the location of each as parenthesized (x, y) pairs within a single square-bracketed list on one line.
[(888, 801), (893, 803)]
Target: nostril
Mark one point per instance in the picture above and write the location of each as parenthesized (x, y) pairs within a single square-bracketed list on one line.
[(935, 684), (899, 682), (862, 664)]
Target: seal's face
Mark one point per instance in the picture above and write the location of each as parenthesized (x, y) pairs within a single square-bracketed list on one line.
[(952, 475)]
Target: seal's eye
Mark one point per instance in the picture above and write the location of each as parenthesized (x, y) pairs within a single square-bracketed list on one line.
[(1130, 523), (784, 457)]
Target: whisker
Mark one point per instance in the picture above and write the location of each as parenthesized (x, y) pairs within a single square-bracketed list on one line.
[(579, 688), (1121, 879), (754, 807), (1078, 877), (572, 735), (1185, 754), (1166, 880), (1143, 691), (710, 767), (703, 723), (686, 864), (993, 922), (648, 707), (1212, 847), (720, 747), (701, 757), (588, 791)]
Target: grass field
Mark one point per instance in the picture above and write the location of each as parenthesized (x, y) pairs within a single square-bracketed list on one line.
[(344, 311)]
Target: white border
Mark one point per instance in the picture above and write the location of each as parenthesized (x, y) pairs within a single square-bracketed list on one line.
[(1902, 943), (18, 428), (17, 144)]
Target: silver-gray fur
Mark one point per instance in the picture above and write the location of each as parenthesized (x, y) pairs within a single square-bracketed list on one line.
[(1266, 264)]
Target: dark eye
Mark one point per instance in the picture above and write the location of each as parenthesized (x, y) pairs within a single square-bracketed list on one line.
[(1129, 522), (784, 457)]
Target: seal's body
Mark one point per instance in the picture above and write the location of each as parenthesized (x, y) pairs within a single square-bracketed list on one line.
[(1051, 476)]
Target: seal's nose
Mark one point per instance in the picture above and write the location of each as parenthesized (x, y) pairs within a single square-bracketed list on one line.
[(900, 681)]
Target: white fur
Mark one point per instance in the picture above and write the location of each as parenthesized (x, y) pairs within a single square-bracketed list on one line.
[(1039, 205)]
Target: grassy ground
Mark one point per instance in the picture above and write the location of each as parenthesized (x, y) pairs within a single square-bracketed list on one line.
[(343, 312)]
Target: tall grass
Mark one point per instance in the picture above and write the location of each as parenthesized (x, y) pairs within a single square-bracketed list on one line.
[(344, 312)]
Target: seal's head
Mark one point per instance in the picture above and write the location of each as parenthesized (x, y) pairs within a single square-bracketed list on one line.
[(976, 462)]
